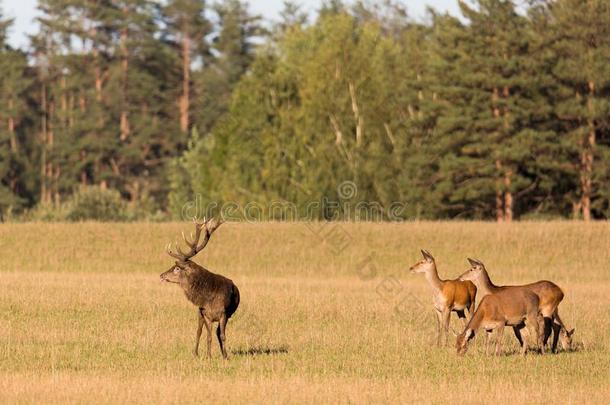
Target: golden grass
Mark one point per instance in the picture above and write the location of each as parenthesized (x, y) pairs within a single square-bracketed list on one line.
[(329, 313)]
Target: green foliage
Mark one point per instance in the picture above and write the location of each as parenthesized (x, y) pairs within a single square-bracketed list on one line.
[(455, 119), (496, 114), (14, 168), (94, 203)]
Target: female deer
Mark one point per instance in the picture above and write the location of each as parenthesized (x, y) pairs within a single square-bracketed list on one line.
[(549, 294), (505, 308), (447, 295)]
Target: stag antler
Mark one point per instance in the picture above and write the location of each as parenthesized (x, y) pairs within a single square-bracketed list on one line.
[(209, 225)]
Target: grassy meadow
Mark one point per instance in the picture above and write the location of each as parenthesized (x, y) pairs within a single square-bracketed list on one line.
[(329, 313)]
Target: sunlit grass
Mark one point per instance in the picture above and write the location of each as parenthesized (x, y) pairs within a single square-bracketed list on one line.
[(328, 313)]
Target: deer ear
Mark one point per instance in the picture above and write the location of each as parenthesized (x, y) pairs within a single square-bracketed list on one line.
[(427, 255), (472, 262), (571, 332)]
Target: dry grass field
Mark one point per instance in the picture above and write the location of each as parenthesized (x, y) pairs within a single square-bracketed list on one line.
[(329, 313)]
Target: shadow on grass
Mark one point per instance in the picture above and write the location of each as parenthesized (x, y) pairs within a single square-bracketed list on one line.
[(531, 351), (261, 351)]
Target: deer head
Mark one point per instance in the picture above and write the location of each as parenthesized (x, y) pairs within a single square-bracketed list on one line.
[(182, 266), (177, 273), (565, 337), (474, 272), (461, 343), (424, 265)]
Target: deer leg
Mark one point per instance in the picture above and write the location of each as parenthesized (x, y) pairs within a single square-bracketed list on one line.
[(462, 316), (220, 334), (208, 326), (499, 338), (446, 318), (525, 342), (517, 330), (557, 326), (548, 327), (438, 327), (487, 338), (536, 323), (540, 324), (199, 329), (556, 332)]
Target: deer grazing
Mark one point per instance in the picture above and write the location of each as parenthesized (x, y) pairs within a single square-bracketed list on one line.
[(511, 307), (447, 295), (216, 296), (548, 293)]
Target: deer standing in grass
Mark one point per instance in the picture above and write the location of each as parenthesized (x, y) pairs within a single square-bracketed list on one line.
[(216, 296), (447, 295), (549, 294), (509, 307)]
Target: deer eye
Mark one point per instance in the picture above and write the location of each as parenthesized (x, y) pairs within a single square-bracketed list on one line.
[(176, 269)]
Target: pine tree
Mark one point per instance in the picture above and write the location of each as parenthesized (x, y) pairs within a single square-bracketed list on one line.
[(485, 138), (579, 36), (13, 148), (233, 48), (188, 28)]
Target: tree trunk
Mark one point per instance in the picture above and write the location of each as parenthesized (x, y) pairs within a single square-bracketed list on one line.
[(357, 116), (97, 76), (83, 172), (57, 195), (508, 196), (13, 181), (50, 142), (83, 154), (499, 200), (134, 192), (43, 139), (586, 160), (499, 195), (186, 79), (576, 209), (97, 70), (11, 126), (124, 124), (64, 102)]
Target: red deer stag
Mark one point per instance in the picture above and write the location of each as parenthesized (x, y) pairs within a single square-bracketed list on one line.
[(549, 294), (447, 295), (216, 296)]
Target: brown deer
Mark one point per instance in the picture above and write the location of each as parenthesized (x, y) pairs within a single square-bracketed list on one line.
[(549, 294), (216, 296), (447, 295), (510, 307)]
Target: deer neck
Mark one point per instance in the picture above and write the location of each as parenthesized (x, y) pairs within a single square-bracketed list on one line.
[(475, 322), (433, 279), (195, 284), (485, 284)]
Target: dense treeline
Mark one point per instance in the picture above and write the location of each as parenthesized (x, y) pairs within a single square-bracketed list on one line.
[(503, 113), (107, 93)]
